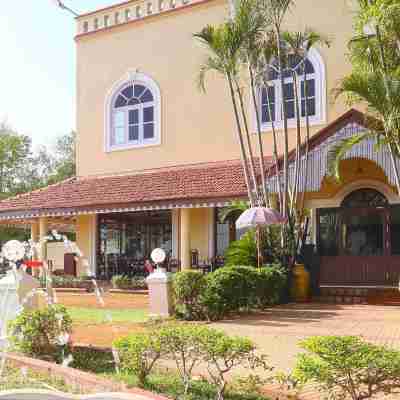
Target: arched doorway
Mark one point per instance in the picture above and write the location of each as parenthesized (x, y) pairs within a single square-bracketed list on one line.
[(355, 242)]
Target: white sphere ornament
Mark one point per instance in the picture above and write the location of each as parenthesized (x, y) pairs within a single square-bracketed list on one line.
[(158, 256), (13, 250)]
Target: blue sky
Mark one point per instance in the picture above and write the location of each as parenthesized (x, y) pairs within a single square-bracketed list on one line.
[(37, 67)]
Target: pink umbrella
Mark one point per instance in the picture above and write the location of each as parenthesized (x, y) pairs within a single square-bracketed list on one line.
[(260, 216), (257, 217)]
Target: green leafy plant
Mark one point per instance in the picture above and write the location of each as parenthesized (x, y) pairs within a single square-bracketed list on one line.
[(121, 282), (138, 354), (243, 251), (182, 344), (124, 282), (42, 333), (231, 289), (92, 359), (223, 353), (67, 281), (188, 286), (349, 367)]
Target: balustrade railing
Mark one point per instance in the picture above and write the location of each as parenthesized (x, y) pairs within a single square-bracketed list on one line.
[(121, 14)]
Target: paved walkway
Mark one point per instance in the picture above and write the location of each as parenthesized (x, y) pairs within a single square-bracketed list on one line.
[(277, 331)]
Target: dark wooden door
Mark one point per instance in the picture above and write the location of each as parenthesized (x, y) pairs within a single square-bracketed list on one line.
[(363, 250)]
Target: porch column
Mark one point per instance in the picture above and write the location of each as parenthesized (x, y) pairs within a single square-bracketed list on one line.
[(35, 236), (185, 255), (43, 229)]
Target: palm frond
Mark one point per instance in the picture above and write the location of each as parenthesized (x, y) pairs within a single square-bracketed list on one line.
[(235, 207), (338, 151)]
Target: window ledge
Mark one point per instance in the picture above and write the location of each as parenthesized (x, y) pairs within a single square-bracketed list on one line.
[(292, 124), (124, 147)]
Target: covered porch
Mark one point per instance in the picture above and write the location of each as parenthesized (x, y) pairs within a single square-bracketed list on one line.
[(118, 221)]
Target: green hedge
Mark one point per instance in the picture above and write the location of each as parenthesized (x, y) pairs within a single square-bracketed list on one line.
[(227, 290), (126, 283)]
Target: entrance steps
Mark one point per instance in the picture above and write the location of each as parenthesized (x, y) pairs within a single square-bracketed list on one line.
[(359, 295)]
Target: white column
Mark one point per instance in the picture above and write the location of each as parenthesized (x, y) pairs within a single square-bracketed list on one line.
[(185, 255), (43, 229), (35, 235), (313, 222), (211, 232), (175, 215)]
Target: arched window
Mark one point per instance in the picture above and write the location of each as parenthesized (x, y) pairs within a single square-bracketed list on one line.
[(272, 99), (365, 198), (134, 112)]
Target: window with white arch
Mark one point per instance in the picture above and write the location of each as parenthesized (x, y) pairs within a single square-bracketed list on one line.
[(272, 99), (134, 114)]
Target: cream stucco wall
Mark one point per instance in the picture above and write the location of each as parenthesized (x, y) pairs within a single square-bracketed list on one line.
[(196, 127), (86, 242), (201, 237)]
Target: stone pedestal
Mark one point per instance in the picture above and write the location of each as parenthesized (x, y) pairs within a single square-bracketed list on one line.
[(160, 292), (13, 296)]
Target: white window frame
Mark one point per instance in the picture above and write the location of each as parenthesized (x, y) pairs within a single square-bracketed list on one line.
[(319, 76), (135, 78)]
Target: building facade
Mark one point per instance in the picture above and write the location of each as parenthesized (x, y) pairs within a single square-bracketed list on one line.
[(157, 158)]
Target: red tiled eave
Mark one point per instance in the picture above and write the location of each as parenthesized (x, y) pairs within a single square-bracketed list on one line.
[(212, 181)]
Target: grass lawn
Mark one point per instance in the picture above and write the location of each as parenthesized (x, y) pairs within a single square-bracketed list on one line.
[(101, 315)]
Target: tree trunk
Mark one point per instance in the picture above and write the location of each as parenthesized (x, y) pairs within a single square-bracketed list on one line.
[(260, 143), (305, 180), (298, 143), (240, 138), (248, 139), (285, 127), (275, 149)]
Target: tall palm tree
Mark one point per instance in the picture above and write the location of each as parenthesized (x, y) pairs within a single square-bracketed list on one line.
[(384, 110), (375, 80), (275, 11), (224, 43), (253, 24), (299, 44)]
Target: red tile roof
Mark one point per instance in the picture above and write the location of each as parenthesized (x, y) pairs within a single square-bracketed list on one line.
[(219, 180)]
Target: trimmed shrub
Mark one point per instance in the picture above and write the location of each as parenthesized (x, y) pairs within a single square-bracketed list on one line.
[(68, 281), (273, 280), (231, 289), (188, 286), (347, 367), (126, 283), (182, 344), (92, 360), (42, 333), (138, 354), (188, 346), (121, 282)]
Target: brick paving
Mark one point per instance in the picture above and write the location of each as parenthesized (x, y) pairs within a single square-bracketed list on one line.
[(278, 330)]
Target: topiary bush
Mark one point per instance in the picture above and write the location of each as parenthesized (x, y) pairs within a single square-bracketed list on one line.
[(347, 367), (231, 289), (271, 284), (188, 286), (42, 333)]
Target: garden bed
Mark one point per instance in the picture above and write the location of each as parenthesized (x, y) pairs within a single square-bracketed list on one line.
[(72, 380), (130, 291)]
